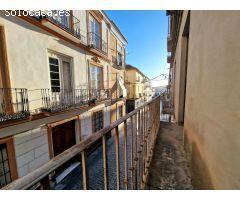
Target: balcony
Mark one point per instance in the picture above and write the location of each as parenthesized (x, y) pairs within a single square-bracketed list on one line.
[(13, 104), (132, 152), (60, 99), (68, 26), (169, 43), (169, 58), (116, 63), (96, 42)]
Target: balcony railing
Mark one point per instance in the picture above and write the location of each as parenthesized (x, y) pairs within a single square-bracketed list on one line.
[(116, 63), (54, 100), (13, 104), (96, 42), (139, 136), (70, 23), (169, 58), (169, 43)]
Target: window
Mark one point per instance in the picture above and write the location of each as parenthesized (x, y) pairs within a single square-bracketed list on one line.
[(5, 175), (54, 74), (119, 55), (62, 17), (97, 121), (120, 111), (95, 77), (119, 59), (94, 27), (60, 73)]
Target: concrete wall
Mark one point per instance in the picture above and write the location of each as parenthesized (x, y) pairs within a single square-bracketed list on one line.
[(31, 149), (211, 125)]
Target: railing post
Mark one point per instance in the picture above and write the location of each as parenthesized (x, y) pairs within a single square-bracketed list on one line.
[(45, 183), (125, 156), (117, 157), (132, 167), (105, 165), (136, 153), (84, 170)]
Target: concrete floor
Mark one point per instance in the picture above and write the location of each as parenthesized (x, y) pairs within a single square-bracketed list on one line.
[(169, 168)]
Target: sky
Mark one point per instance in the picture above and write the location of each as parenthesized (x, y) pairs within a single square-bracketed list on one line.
[(146, 33)]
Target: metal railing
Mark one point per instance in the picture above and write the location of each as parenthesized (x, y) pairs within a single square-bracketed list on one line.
[(116, 63), (13, 104), (144, 124), (54, 100), (69, 23), (96, 42)]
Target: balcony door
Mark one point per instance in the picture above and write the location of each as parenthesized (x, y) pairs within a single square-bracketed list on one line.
[(94, 26), (95, 80), (61, 17), (61, 79)]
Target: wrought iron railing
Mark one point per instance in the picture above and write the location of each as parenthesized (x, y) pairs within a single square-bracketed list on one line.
[(69, 23), (54, 100), (13, 104), (138, 145), (96, 42)]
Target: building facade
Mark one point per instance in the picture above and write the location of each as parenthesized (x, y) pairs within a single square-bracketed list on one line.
[(61, 80), (139, 88), (204, 90)]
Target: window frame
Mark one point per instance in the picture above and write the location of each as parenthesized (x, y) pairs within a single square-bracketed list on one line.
[(11, 157), (120, 111), (94, 130), (90, 63), (61, 58)]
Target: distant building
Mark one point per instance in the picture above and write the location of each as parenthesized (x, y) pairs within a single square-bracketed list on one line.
[(139, 88)]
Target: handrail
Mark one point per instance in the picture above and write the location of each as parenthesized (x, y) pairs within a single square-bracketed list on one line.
[(142, 112)]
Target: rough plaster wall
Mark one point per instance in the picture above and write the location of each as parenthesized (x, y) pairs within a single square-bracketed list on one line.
[(177, 60), (31, 149), (212, 103)]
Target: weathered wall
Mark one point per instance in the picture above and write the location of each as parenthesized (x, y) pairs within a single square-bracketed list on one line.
[(212, 116), (31, 149), (30, 68)]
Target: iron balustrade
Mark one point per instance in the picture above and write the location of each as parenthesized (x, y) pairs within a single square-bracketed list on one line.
[(96, 42), (54, 100), (144, 123), (69, 23), (13, 104)]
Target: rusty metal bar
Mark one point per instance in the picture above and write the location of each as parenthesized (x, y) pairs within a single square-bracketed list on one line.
[(37, 175), (132, 167), (117, 157), (139, 147), (136, 153), (105, 165), (125, 157), (84, 170)]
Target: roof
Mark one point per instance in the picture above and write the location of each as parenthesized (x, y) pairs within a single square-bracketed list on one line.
[(128, 66), (115, 26)]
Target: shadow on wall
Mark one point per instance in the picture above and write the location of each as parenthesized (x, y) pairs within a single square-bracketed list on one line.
[(201, 179)]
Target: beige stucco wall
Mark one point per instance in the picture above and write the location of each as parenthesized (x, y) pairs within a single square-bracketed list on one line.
[(134, 86), (27, 50), (212, 116)]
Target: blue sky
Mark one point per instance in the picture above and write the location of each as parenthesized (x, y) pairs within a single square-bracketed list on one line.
[(146, 32)]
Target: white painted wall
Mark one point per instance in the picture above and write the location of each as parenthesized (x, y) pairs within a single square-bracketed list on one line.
[(31, 149)]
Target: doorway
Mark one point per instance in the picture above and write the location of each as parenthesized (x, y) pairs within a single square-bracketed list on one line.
[(63, 137), (183, 71)]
